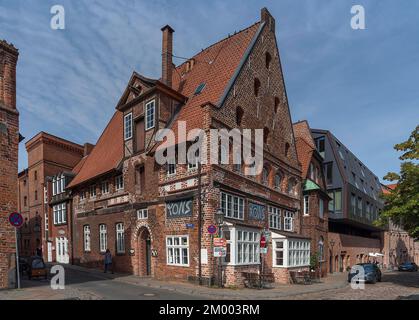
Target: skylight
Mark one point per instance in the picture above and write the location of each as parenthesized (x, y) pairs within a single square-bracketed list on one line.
[(200, 88)]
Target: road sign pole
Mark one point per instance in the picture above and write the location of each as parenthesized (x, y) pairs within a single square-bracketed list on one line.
[(17, 260)]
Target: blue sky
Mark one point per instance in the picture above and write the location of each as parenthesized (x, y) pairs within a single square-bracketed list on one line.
[(362, 85)]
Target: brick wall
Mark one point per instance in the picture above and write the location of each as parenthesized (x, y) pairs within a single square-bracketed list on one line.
[(9, 140)]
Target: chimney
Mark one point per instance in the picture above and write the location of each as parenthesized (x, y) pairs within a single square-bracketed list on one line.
[(167, 51), (88, 147), (8, 61), (265, 16)]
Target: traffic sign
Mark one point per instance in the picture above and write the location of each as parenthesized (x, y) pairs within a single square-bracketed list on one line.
[(262, 241), (220, 242), (220, 252), (212, 229), (16, 219), (264, 250)]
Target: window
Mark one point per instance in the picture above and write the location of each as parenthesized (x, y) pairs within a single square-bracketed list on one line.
[(46, 222), (265, 176), (120, 238), (92, 191), (177, 250), (239, 115), (353, 203), (328, 168), (291, 253), (142, 214), (45, 195), (306, 205), (274, 218), (256, 87), (171, 169), (105, 187), (103, 237), (199, 89), (292, 186), (360, 211), (367, 211), (86, 238), (128, 126), (288, 221), (25, 201), (60, 213), (193, 163), (247, 247), (321, 249), (278, 181), (35, 175), (119, 183), (82, 195), (321, 208), (320, 145), (58, 185), (150, 110), (298, 253), (311, 172), (232, 206), (338, 200), (36, 195), (268, 59)]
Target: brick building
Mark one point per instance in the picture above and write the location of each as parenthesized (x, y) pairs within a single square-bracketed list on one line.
[(314, 217), (9, 141), (43, 201), (147, 214)]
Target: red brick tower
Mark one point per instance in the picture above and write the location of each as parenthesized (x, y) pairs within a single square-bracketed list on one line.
[(9, 140)]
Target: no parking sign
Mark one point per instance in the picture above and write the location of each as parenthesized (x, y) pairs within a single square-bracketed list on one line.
[(16, 219)]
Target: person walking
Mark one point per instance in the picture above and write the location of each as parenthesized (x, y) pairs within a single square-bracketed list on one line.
[(108, 261)]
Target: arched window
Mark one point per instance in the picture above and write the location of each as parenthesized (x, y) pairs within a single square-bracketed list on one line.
[(276, 104), (292, 186), (256, 87), (265, 135), (287, 149), (278, 180), (268, 60), (239, 115), (265, 176), (321, 249)]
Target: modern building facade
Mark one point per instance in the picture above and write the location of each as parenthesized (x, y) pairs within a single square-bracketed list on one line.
[(147, 214), (9, 141), (315, 199), (355, 204)]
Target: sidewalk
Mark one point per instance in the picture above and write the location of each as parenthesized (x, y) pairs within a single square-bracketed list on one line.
[(333, 281), (46, 293)]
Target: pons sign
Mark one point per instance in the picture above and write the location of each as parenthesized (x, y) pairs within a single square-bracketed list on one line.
[(179, 208)]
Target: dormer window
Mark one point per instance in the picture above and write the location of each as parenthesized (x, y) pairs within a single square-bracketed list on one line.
[(150, 115), (128, 126)]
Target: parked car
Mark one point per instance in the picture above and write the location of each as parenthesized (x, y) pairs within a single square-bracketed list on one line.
[(37, 268), (408, 266), (372, 273)]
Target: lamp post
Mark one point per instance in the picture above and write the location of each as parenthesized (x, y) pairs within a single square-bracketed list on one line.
[(332, 243), (219, 219)]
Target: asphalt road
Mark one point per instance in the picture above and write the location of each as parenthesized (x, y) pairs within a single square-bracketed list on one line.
[(83, 285)]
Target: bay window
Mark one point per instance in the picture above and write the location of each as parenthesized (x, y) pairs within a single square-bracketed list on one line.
[(291, 253), (247, 247)]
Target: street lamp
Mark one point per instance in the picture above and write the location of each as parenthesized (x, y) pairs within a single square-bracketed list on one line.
[(332, 243), (219, 217)]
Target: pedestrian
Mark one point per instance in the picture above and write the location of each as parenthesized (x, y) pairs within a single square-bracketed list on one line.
[(108, 261)]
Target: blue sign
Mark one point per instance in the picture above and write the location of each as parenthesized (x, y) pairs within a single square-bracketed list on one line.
[(189, 225), (256, 212), (16, 219), (212, 229), (179, 208)]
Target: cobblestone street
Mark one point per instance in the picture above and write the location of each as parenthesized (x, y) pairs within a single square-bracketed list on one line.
[(394, 285)]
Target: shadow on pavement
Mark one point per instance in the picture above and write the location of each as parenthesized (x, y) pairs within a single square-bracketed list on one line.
[(406, 279)]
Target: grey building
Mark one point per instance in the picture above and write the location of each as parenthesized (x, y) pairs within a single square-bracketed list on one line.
[(354, 189)]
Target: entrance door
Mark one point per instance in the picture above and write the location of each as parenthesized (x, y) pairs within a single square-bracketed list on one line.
[(49, 251), (62, 250), (148, 256)]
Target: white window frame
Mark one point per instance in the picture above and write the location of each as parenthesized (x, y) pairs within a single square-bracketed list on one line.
[(306, 203), (248, 244), (46, 222), (142, 214), (92, 191), (150, 115), (82, 196), (233, 210), (86, 238), (105, 187), (171, 169), (59, 213), (128, 126), (274, 218), (294, 250), (119, 182), (288, 221), (176, 250), (103, 237), (193, 165), (120, 237)]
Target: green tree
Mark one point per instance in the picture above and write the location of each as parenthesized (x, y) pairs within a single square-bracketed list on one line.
[(402, 203)]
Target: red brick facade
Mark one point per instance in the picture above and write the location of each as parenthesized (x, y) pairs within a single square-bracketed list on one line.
[(9, 141)]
